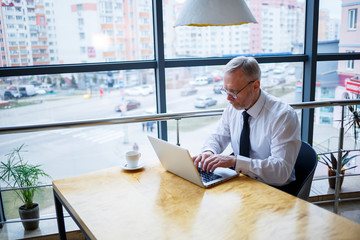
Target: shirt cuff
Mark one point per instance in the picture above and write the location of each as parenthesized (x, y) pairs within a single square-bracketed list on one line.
[(242, 164)]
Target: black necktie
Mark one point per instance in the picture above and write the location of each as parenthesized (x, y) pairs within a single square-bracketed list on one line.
[(245, 136)]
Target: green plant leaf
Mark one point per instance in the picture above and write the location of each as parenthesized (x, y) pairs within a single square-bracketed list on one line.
[(350, 168), (16, 173), (325, 163), (345, 161), (333, 161), (345, 155)]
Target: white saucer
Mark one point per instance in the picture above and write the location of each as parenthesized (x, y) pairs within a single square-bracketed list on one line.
[(125, 167)]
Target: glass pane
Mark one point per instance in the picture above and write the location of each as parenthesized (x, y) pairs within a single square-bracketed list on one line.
[(68, 152), (283, 80), (201, 127), (338, 26), (185, 85), (280, 30), (58, 32), (78, 96), (335, 81)]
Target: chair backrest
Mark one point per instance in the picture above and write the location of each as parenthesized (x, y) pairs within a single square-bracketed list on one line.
[(305, 166)]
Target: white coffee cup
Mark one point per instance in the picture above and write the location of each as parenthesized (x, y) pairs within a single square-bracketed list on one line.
[(132, 158)]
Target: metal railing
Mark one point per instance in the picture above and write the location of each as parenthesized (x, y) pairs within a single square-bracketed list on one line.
[(177, 117)]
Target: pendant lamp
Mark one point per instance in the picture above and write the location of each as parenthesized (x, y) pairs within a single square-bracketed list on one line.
[(203, 13)]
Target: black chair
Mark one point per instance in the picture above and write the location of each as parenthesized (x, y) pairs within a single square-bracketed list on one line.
[(305, 166)]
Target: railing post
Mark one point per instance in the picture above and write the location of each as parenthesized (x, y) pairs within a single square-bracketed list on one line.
[(177, 132), (338, 170), (2, 212)]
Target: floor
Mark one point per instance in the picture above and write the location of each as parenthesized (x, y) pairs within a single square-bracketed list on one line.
[(349, 209), (320, 191), (47, 230)]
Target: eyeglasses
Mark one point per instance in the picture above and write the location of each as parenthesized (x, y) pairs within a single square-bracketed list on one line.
[(234, 95)]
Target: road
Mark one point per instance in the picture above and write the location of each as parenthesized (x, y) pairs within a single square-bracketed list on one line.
[(68, 152)]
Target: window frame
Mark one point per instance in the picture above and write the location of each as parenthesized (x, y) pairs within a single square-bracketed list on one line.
[(352, 18), (159, 64)]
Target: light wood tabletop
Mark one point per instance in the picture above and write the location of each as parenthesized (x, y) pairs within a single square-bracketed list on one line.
[(152, 203)]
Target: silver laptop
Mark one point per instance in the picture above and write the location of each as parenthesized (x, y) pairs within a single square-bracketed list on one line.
[(178, 161)]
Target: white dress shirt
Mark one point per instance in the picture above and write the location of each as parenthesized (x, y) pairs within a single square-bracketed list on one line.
[(274, 140)]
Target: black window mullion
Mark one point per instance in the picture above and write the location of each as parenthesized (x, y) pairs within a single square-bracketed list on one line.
[(160, 66), (309, 78), (75, 68)]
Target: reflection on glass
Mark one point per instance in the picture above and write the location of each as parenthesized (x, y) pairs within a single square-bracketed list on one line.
[(335, 81), (337, 26), (280, 29), (74, 31), (196, 88), (69, 152), (76, 96)]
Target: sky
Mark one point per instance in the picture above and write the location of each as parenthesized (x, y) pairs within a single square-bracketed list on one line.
[(334, 7)]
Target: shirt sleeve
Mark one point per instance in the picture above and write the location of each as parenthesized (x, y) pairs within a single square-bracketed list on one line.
[(285, 145), (220, 138)]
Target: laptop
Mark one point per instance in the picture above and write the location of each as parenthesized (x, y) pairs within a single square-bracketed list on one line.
[(178, 161)]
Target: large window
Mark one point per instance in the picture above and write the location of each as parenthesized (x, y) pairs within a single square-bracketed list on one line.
[(280, 30), (99, 60)]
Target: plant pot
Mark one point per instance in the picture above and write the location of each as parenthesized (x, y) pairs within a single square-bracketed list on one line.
[(30, 214), (332, 181)]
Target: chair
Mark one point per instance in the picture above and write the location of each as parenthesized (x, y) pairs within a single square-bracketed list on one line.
[(305, 166)]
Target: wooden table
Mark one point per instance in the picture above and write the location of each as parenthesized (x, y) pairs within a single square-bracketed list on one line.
[(154, 204)]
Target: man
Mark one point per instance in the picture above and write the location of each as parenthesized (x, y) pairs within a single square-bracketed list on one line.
[(270, 152)]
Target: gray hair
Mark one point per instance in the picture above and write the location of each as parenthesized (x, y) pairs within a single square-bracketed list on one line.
[(248, 65)]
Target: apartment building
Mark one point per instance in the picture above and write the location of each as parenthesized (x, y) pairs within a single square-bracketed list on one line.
[(27, 34), (107, 31), (349, 71), (246, 39)]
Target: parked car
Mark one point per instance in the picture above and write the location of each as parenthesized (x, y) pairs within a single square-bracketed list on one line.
[(217, 79), (40, 91), (217, 87), (24, 90), (127, 105), (142, 90), (47, 87), (204, 102), (200, 81), (147, 88), (35, 83), (11, 94), (27, 90), (188, 91)]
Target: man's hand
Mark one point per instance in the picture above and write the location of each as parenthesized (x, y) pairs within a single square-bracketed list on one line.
[(209, 161), (198, 159)]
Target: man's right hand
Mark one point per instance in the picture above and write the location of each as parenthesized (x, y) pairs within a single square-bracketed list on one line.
[(201, 157)]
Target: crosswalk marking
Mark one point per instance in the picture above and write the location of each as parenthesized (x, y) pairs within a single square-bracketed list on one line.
[(93, 135), (25, 138)]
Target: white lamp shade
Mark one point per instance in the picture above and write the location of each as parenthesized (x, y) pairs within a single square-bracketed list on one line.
[(203, 13)]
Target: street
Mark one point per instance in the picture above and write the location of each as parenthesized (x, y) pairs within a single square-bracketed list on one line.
[(69, 152)]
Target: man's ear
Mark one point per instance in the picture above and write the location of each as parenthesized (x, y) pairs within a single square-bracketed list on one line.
[(256, 85)]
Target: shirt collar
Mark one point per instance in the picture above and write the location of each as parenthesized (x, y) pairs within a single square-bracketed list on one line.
[(256, 108)]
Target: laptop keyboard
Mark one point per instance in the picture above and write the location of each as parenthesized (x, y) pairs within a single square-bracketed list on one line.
[(208, 176)]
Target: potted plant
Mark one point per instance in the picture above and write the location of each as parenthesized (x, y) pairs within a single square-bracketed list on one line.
[(17, 173), (332, 162)]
